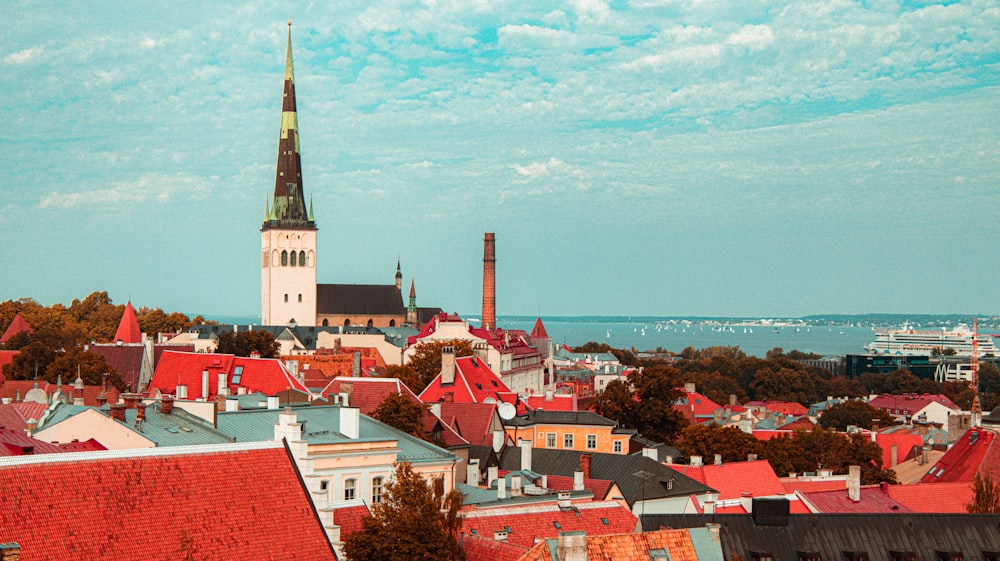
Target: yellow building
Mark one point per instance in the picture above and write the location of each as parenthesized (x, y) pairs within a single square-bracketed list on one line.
[(582, 431)]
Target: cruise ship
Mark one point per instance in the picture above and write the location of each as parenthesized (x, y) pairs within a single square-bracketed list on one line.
[(908, 341)]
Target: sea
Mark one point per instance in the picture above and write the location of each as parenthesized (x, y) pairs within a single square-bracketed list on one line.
[(829, 336)]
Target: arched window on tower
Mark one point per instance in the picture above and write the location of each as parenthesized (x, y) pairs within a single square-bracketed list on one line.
[(347, 322), (392, 323), (284, 258), (370, 323), (302, 258), (295, 258), (326, 322), (312, 259)]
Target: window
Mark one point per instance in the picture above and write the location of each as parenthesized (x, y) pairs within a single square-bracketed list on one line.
[(618, 447), (439, 486), (350, 488), (902, 555), (856, 555), (392, 323), (300, 297), (324, 484), (286, 298), (326, 322), (808, 556), (551, 443), (295, 259), (761, 556), (302, 259), (237, 375), (370, 323), (568, 440), (284, 258), (591, 442), (347, 322), (377, 488)]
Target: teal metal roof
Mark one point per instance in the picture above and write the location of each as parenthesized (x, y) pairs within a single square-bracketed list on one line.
[(60, 413), (321, 425), (179, 428)]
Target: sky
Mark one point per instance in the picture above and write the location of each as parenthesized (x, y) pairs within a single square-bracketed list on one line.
[(686, 157)]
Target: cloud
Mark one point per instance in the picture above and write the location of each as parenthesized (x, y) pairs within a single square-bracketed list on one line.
[(539, 169), (755, 37), (24, 56), (152, 188)]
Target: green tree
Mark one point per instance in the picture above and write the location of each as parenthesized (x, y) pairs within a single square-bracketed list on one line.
[(624, 356), (153, 321), (854, 412), (426, 359), (246, 342), (31, 362), (407, 524), (829, 449), (399, 411), (707, 440), (986, 495)]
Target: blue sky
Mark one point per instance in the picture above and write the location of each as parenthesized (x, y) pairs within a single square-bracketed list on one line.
[(652, 157)]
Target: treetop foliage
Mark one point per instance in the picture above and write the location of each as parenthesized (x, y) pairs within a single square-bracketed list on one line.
[(426, 360)]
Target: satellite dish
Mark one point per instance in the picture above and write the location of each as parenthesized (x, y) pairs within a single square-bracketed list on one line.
[(507, 411)]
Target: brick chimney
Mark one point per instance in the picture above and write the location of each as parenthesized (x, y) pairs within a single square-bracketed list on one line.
[(489, 282), (585, 465), (572, 546), (118, 411), (140, 411), (101, 399), (166, 404), (10, 551), (131, 399)]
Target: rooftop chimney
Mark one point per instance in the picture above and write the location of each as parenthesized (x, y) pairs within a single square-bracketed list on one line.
[(578, 480), (572, 546), (854, 483), (489, 282), (350, 421), (140, 411), (563, 500), (695, 461), (182, 391), (472, 473), (501, 488), (101, 400), (525, 454), (223, 384), (204, 384), (166, 404), (118, 411), (585, 465), (718, 459), (447, 366), (492, 473)]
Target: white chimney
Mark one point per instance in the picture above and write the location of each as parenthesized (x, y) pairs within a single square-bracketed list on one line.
[(447, 365), (492, 473), (718, 459), (232, 405), (525, 454), (649, 453), (272, 402), (350, 421), (709, 506), (344, 400), (695, 461), (515, 486), (204, 384), (501, 488), (498, 440), (854, 483), (578, 480), (544, 482), (572, 546), (182, 392), (472, 473), (287, 427), (223, 384), (563, 499)]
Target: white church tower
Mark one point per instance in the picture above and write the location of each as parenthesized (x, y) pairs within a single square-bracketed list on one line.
[(288, 234)]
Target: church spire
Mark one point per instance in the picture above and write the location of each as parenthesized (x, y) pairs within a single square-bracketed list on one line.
[(289, 205)]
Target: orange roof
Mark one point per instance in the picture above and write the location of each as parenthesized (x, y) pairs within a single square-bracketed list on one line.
[(128, 328), (265, 375), (559, 402), (17, 325), (628, 547), (474, 382), (524, 524), (350, 519), (792, 484), (934, 497), (791, 408), (64, 506)]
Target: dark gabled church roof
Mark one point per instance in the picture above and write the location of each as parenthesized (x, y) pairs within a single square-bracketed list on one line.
[(830, 536), (424, 315), (358, 299), (662, 483)]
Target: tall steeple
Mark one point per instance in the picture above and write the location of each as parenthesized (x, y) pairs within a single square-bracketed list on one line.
[(288, 208), (411, 308), (399, 276)]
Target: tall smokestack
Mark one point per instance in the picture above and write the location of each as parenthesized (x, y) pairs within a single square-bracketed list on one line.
[(489, 282)]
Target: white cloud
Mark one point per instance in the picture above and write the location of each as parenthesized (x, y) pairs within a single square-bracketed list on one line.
[(24, 56), (155, 188), (756, 37)]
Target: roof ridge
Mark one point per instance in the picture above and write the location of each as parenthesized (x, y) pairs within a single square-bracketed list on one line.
[(11, 461)]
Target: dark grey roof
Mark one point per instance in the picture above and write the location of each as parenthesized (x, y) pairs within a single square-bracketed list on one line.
[(424, 315), (363, 299), (665, 482), (830, 535), (562, 418)]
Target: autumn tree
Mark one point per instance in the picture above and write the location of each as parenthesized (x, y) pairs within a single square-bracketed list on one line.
[(400, 412), (649, 408), (784, 384), (426, 359), (854, 412), (986, 495), (407, 524), (829, 449), (153, 321), (624, 356), (246, 342), (707, 440)]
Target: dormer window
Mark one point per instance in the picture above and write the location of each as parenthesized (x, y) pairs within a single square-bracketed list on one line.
[(902, 555), (761, 556), (855, 556), (808, 556), (949, 555)]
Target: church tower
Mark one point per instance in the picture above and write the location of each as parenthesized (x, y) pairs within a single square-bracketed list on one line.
[(288, 234)]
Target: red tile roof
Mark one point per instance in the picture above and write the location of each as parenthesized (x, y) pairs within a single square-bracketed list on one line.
[(734, 479), (792, 484), (600, 488), (350, 519), (904, 442), (368, 393), (474, 383), (910, 404), (784, 407), (526, 523), (628, 547), (874, 499), (559, 402), (538, 331), (15, 415), (976, 451), (480, 548), (700, 405), (17, 325), (147, 504), (85, 446), (125, 359), (473, 421), (265, 375), (934, 497), (17, 443), (128, 328)]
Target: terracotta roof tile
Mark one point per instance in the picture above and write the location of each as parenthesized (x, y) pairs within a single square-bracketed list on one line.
[(144, 504), (525, 524), (128, 328), (733, 479), (934, 497), (473, 421), (628, 547), (350, 519), (482, 548), (17, 325), (265, 375), (474, 382)]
